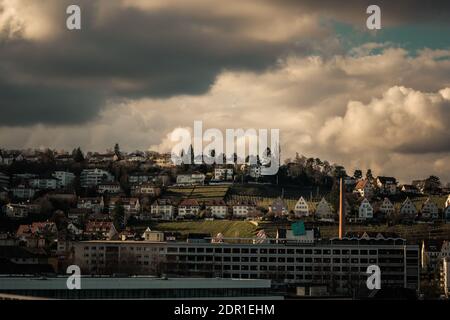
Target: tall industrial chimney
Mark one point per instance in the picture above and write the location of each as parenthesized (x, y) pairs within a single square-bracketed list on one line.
[(341, 209)]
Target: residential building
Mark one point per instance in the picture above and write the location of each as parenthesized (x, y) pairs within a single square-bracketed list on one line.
[(131, 206), (64, 158), (78, 215), (140, 177), (109, 187), (324, 211), (278, 208), (4, 180), (136, 157), (10, 157), (23, 192), (163, 208), (242, 209), (164, 161), (191, 179), (146, 189), (429, 210), (93, 177), (35, 235), (365, 211), (153, 236), (364, 188), (387, 208), (4, 194), (96, 205), (410, 189), (408, 210), (387, 185), (301, 208), (102, 229), (44, 183), (64, 178), (217, 208), (420, 185), (188, 207), (16, 211), (102, 158), (223, 174)]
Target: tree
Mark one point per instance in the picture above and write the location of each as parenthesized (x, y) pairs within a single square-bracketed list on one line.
[(119, 217), (48, 156), (117, 151), (357, 174), (77, 155), (369, 175), (191, 154), (339, 172), (432, 184)]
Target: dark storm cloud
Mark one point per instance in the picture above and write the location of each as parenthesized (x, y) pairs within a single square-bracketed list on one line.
[(135, 53), (167, 51), (25, 104)]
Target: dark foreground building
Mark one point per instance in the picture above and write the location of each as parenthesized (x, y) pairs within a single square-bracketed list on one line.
[(337, 265)]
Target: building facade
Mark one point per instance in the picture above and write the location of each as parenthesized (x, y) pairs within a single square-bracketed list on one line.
[(339, 264)]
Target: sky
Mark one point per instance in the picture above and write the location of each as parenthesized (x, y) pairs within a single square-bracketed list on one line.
[(138, 70)]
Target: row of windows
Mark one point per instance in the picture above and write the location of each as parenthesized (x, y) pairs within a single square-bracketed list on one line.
[(279, 259), (273, 251)]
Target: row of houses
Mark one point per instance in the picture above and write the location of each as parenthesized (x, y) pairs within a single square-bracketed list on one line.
[(167, 209), (26, 185), (388, 186), (367, 210), (8, 157)]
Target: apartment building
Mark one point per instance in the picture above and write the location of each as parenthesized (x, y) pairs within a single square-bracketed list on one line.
[(93, 177), (163, 208), (339, 264), (64, 178), (4, 180), (95, 204), (223, 174), (44, 183)]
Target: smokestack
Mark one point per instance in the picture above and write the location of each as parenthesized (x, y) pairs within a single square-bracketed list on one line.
[(341, 209)]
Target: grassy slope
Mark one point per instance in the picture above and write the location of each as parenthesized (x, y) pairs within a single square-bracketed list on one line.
[(242, 229)]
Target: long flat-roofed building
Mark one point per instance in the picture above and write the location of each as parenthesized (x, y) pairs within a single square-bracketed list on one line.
[(339, 264), (138, 288)]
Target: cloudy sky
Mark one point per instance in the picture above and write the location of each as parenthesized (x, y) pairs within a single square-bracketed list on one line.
[(140, 69)]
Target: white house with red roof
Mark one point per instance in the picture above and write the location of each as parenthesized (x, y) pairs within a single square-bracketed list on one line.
[(188, 207), (364, 188), (217, 208)]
